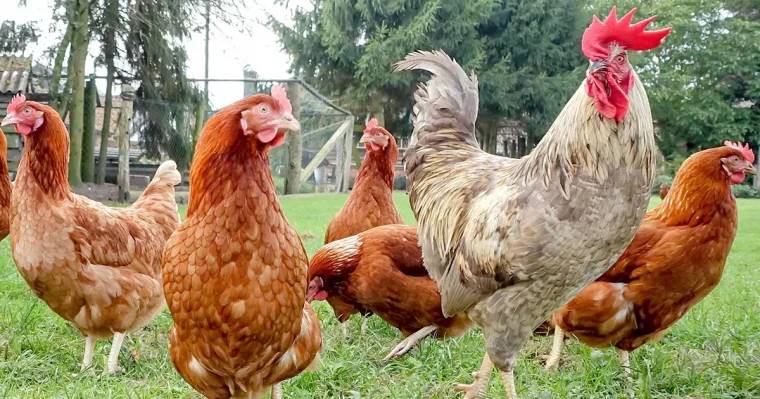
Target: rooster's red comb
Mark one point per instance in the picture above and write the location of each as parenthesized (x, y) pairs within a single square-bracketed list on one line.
[(15, 102), (599, 35), (749, 155), (371, 125), (278, 92)]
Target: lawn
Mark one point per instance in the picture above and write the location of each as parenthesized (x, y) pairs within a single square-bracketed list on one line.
[(713, 352)]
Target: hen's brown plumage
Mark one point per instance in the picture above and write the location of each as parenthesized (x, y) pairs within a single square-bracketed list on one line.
[(95, 266), (370, 203), (675, 260), (235, 271), (663, 191), (5, 189), (381, 270)]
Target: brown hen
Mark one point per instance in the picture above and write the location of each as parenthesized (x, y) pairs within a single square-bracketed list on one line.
[(97, 267), (675, 260), (381, 270), (235, 271)]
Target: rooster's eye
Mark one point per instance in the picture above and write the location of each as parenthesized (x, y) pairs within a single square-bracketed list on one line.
[(263, 109), (620, 58)]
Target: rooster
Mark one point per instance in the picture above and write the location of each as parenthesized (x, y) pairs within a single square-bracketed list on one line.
[(511, 240), (235, 272), (675, 260), (381, 270), (370, 203), (97, 267)]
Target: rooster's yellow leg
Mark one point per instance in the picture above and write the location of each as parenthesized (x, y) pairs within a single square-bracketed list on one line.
[(479, 385), (553, 360), (508, 378)]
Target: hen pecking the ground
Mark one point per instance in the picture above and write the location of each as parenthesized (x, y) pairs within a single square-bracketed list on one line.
[(676, 258), (381, 270), (235, 272), (507, 240), (95, 266)]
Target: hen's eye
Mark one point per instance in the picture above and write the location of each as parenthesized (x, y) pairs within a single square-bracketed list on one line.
[(378, 134), (263, 109), (27, 111)]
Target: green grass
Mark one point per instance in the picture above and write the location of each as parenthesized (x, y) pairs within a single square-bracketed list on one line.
[(713, 352)]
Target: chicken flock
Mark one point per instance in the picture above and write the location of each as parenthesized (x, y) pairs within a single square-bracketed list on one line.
[(561, 235)]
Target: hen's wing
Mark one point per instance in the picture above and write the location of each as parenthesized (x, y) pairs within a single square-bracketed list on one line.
[(128, 237)]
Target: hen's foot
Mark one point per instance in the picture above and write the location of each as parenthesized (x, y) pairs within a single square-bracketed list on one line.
[(479, 385), (410, 342), (113, 357)]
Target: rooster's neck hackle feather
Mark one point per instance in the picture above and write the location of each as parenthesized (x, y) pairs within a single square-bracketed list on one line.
[(46, 155)]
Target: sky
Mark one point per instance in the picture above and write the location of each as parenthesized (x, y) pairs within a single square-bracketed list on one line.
[(229, 49)]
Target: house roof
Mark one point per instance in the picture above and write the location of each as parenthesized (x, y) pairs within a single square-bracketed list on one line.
[(14, 74)]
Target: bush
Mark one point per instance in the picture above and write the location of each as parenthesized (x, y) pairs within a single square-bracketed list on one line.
[(399, 183), (745, 191), (662, 179)]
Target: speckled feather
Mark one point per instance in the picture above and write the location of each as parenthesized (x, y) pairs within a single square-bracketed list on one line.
[(97, 267), (235, 272), (381, 270), (676, 258), (370, 203), (512, 240)]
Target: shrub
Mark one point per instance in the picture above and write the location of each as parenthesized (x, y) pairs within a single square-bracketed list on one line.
[(745, 191), (399, 183), (662, 179)]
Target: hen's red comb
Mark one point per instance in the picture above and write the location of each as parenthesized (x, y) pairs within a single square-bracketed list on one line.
[(278, 92), (599, 35), (749, 155), (371, 125), (15, 102)]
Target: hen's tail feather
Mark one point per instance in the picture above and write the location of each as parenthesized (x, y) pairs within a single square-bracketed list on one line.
[(168, 172), (449, 100)]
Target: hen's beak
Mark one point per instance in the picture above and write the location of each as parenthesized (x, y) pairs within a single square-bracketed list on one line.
[(365, 139), (10, 119), (288, 122), (750, 169)]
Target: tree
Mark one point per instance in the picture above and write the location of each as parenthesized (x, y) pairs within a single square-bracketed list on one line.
[(111, 22), (15, 38), (346, 48), (79, 41)]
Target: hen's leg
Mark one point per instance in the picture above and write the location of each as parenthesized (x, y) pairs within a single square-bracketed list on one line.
[(344, 327), (113, 357), (625, 362), (364, 323), (553, 360), (508, 379), (89, 348), (277, 391), (410, 341), (479, 385)]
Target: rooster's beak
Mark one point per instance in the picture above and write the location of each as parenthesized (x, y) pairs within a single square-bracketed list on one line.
[(750, 169), (288, 122), (10, 119), (595, 65)]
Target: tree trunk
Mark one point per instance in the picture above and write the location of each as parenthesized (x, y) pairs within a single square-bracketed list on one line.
[(88, 133), (79, 42), (295, 145), (112, 11), (200, 116), (56, 98), (125, 117), (208, 29)]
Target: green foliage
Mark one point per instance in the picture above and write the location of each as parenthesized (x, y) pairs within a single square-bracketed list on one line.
[(526, 53), (14, 38), (745, 191), (661, 179), (703, 82)]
